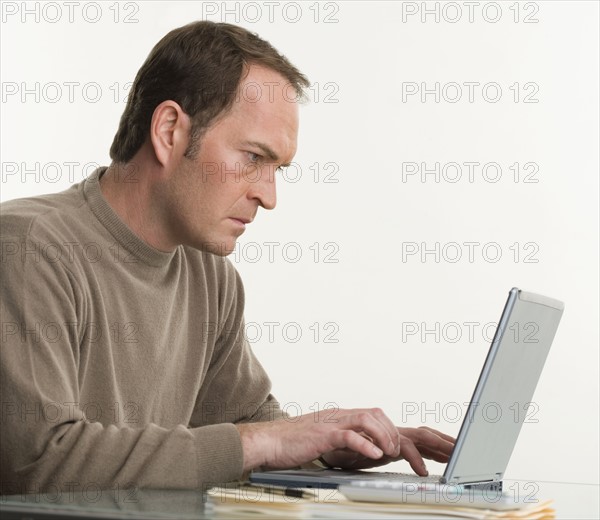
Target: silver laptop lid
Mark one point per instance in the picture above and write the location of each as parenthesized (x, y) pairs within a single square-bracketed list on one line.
[(505, 388)]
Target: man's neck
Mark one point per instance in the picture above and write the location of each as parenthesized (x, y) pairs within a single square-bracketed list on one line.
[(129, 192)]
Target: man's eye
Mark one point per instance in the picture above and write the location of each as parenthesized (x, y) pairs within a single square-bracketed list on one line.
[(254, 157)]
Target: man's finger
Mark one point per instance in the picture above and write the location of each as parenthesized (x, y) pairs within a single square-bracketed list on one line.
[(424, 437), (439, 434), (394, 449), (363, 421), (411, 454), (433, 454), (354, 441)]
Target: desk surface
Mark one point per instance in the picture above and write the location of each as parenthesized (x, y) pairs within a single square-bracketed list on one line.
[(571, 501)]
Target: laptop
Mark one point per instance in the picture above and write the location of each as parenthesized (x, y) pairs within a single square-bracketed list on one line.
[(493, 418)]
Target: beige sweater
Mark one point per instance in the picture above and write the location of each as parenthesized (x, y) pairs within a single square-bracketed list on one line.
[(121, 365)]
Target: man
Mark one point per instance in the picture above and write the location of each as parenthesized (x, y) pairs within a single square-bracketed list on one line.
[(124, 361)]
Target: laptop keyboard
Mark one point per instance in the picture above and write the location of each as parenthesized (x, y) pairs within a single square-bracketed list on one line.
[(386, 478)]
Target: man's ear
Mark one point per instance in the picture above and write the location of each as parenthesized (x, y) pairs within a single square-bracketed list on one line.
[(169, 132)]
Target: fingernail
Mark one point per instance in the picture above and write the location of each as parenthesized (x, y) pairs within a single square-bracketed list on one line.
[(377, 451), (425, 469)]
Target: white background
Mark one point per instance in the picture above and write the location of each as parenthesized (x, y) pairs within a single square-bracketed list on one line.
[(360, 56)]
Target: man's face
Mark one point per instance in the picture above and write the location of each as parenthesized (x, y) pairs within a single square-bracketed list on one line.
[(214, 195)]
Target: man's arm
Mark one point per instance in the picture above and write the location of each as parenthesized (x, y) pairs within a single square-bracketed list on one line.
[(237, 389), (46, 438)]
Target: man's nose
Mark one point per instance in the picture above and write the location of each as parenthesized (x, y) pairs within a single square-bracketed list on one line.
[(263, 189)]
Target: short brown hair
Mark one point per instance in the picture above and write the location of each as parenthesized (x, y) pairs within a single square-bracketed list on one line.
[(200, 67)]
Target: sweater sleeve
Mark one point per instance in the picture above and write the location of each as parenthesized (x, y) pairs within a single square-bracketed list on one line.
[(48, 441), (236, 388)]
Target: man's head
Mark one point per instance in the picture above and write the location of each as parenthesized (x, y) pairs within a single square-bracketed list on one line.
[(211, 116), (199, 66)]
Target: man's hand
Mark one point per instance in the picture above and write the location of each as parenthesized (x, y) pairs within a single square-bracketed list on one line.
[(415, 444), (289, 442), (349, 439)]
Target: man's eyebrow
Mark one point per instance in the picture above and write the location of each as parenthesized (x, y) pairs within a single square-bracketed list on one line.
[(267, 150)]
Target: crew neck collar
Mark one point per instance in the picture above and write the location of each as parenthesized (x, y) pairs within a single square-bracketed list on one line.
[(122, 233)]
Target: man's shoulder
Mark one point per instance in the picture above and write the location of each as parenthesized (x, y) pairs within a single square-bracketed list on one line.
[(43, 217)]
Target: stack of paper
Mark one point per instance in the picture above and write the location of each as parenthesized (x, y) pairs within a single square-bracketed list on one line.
[(255, 501)]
